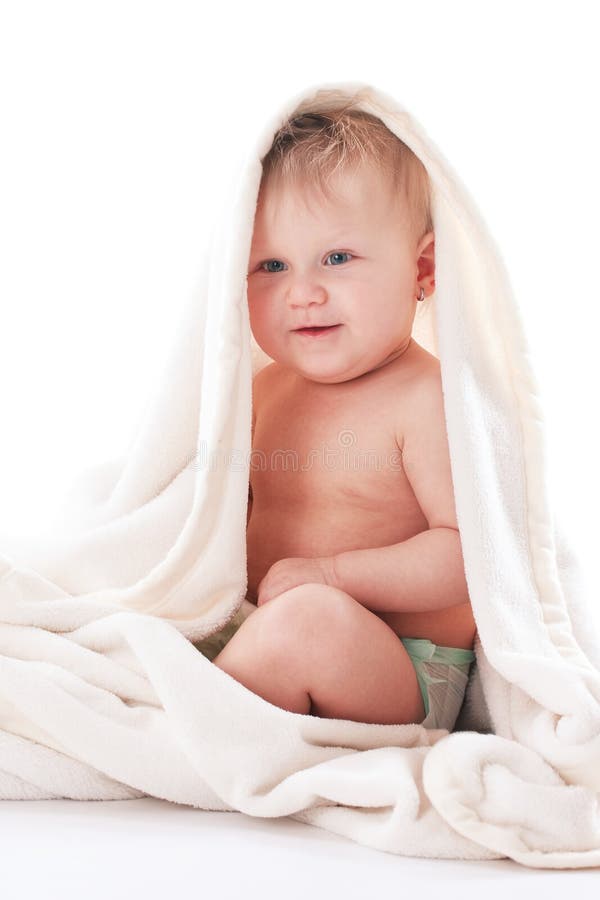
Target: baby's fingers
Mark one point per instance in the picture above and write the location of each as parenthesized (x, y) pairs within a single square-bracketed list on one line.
[(263, 598)]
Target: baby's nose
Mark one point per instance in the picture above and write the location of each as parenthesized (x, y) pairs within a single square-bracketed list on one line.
[(305, 291)]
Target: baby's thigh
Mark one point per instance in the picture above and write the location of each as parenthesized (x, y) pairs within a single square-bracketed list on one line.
[(352, 663)]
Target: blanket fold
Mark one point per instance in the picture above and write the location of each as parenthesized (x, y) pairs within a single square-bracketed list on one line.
[(107, 627)]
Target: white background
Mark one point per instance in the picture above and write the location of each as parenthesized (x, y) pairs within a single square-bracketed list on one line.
[(117, 122)]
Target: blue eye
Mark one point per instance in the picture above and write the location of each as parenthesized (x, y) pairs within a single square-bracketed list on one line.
[(339, 253), (271, 261), (264, 265)]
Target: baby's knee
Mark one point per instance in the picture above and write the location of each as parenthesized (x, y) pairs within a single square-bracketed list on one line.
[(311, 606)]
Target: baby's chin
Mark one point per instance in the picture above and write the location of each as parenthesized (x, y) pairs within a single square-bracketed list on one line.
[(328, 369), (322, 365)]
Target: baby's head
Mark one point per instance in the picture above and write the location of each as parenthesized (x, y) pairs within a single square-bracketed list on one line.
[(342, 236)]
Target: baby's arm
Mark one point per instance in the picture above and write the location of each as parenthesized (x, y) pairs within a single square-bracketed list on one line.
[(420, 574), (425, 572)]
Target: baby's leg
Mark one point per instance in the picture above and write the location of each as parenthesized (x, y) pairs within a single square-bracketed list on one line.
[(316, 649), (256, 657)]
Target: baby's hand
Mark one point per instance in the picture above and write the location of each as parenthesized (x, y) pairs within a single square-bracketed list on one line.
[(292, 571)]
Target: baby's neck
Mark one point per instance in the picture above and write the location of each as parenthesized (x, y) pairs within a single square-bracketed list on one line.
[(407, 345)]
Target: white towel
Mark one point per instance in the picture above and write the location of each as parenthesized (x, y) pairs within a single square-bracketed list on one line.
[(103, 695)]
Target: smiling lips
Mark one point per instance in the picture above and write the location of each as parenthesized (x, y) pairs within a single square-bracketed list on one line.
[(316, 330)]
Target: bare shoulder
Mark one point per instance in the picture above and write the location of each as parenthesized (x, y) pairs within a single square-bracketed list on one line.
[(425, 384), (261, 380), (264, 372), (423, 403), (419, 391), (260, 384)]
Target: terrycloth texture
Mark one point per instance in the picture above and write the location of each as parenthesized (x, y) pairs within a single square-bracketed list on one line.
[(103, 695)]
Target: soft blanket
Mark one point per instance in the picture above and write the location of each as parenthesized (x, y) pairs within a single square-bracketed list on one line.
[(107, 690)]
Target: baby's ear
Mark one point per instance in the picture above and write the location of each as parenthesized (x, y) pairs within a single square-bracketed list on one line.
[(426, 261), (427, 242)]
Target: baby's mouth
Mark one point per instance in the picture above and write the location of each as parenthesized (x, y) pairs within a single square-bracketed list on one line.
[(317, 330)]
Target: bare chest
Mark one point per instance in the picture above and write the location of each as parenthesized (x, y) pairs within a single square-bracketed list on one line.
[(327, 476)]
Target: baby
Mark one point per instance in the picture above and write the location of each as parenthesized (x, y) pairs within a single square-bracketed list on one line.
[(354, 554)]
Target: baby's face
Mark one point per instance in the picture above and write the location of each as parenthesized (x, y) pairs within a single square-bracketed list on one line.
[(351, 262)]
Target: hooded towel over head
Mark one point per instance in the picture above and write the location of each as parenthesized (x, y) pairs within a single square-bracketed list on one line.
[(103, 693)]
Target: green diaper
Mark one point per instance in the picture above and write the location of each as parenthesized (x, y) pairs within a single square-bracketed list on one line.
[(211, 646), (443, 675)]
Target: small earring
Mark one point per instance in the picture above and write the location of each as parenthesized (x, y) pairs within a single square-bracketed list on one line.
[(421, 295)]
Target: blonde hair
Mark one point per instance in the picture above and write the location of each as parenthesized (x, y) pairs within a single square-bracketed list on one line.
[(309, 148)]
